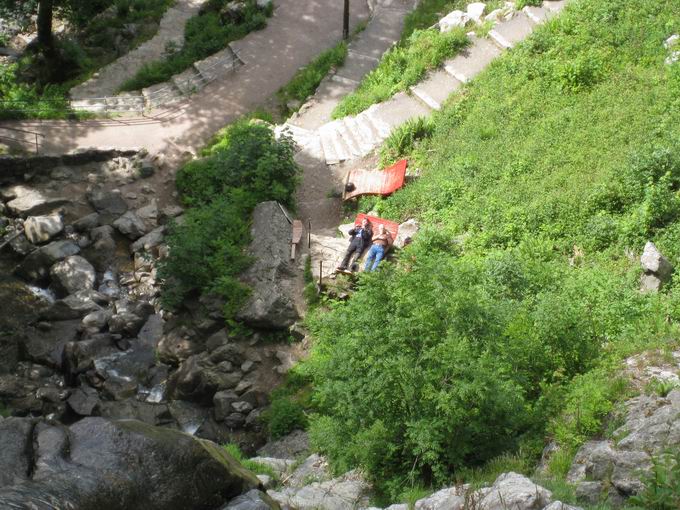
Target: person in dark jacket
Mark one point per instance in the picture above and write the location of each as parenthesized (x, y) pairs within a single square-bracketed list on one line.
[(360, 239)]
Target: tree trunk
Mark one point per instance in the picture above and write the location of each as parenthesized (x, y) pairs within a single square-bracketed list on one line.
[(45, 8)]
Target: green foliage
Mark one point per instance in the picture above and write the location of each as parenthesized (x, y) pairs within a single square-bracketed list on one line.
[(4, 411), (284, 416), (401, 67), (427, 13), (255, 467), (21, 100), (242, 168), (507, 318), (662, 485), (661, 387), (521, 4), (204, 34), (404, 139), (307, 79)]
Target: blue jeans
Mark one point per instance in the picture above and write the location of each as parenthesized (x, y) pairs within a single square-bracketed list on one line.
[(375, 255)]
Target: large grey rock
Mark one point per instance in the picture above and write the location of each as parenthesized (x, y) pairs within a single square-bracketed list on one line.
[(16, 438), (452, 498), (45, 345), (407, 230), (313, 469), (36, 266), (198, 379), (656, 268), (272, 275), (75, 306), (558, 505), (150, 240), (251, 500), (108, 203), (84, 401), (288, 447), (71, 275), (102, 251), (454, 19), (40, 229), (130, 225), (347, 491), (512, 490), (29, 201), (119, 465)]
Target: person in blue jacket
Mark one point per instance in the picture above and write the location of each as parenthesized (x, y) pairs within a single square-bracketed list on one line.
[(360, 239)]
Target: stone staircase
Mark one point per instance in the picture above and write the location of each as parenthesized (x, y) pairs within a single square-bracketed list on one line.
[(167, 93), (356, 136)]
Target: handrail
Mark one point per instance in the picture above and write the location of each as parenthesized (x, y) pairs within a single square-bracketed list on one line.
[(24, 131)]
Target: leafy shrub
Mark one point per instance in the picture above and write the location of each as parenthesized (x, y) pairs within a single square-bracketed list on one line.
[(662, 485), (402, 67), (21, 100), (284, 416), (204, 35), (255, 467), (244, 167)]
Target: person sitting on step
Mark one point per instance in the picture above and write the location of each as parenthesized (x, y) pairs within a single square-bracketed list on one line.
[(360, 238), (381, 243)]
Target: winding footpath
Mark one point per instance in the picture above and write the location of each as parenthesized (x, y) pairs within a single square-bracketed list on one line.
[(297, 32)]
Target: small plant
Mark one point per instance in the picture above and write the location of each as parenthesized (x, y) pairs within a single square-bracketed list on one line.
[(284, 416), (662, 484), (257, 468), (403, 140), (661, 387)]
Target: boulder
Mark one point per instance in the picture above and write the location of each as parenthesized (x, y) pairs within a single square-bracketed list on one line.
[(407, 230), (87, 222), (177, 346), (82, 466), (198, 379), (475, 11), (131, 225), (452, 498), (313, 469), (347, 491), (251, 500), (512, 490), (109, 204), (96, 321), (71, 275), (126, 322), (16, 438), (75, 306), (84, 401), (656, 268), (40, 229), (222, 402), (454, 19), (149, 241), (46, 346), (28, 201), (272, 276), (36, 266), (287, 447)]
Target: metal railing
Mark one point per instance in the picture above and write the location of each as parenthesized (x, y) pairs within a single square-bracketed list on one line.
[(130, 103), (35, 137)]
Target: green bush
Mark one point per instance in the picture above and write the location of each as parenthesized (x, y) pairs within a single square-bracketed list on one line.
[(402, 67), (244, 167), (284, 416), (250, 465), (508, 317), (404, 139), (204, 34), (662, 485)]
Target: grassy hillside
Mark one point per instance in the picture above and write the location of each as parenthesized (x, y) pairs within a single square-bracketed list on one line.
[(500, 327)]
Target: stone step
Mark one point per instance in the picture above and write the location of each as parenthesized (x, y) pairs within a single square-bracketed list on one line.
[(368, 131), (334, 148), (356, 66), (436, 89), (472, 60), (350, 137), (364, 138), (382, 128), (218, 64), (385, 28), (188, 82), (302, 137), (400, 109), (554, 5), (538, 14), (510, 32), (161, 94)]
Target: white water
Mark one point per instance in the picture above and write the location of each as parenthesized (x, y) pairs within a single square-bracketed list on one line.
[(45, 294)]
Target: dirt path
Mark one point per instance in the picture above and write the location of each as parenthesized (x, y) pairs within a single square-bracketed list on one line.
[(298, 31)]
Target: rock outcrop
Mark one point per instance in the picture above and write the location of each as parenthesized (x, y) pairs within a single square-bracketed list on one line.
[(97, 464), (656, 268)]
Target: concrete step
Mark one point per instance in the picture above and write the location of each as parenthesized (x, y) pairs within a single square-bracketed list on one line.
[(381, 127), (509, 33), (364, 138), (369, 132), (161, 94), (538, 14), (218, 64), (436, 88), (188, 82), (348, 136), (400, 109), (335, 148), (357, 66), (302, 137), (380, 34), (317, 111), (554, 5), (127, 102), (472, 60)]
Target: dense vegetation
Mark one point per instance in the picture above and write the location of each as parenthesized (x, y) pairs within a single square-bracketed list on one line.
[(100, 32), (205, 34), (504, 322), (245, 165), (402, 66)]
